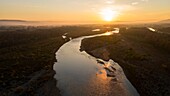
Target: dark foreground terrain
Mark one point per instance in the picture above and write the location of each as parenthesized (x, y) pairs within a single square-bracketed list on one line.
[(27, 55), (144, 56)]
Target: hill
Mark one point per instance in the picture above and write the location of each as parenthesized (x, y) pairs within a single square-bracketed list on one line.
[(165, 21)]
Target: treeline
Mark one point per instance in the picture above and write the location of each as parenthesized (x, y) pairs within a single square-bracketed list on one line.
[(164, 29), (158, 40)]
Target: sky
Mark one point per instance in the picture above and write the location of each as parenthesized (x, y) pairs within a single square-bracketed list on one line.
[(85, 10)]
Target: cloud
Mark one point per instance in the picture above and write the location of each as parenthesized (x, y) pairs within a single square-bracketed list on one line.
[(109, 1), (135, 3), (144, 0), (122, 7)]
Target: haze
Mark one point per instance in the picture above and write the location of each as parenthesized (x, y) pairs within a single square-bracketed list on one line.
[(85, 10)]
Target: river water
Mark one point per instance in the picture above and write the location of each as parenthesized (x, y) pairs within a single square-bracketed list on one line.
[(79, 74)]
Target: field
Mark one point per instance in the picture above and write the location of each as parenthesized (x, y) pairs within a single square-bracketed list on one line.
[(143, 55)]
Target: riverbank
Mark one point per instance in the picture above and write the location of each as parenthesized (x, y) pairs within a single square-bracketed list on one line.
[(27, 59), (143, 55), (27, 56), (79, 74)]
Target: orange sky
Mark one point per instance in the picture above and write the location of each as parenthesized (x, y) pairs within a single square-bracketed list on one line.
[(84, 10)]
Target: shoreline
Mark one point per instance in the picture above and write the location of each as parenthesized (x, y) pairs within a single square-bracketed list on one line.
[(139, 63), (28, 55), (41, 82)]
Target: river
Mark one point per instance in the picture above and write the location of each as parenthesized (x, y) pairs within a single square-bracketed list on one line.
[(80, 74)]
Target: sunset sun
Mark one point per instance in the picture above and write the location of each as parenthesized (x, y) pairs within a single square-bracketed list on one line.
[(108, 14)]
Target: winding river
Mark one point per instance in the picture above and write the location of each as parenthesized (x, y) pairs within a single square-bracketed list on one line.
[(80, 74)]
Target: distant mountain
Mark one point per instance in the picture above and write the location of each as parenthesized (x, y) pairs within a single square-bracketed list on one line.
[(7, 20), (165, 21)]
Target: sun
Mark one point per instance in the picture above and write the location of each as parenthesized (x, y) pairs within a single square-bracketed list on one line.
[(108, 14)]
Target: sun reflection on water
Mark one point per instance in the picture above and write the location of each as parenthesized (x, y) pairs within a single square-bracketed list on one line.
[(108, 33)]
